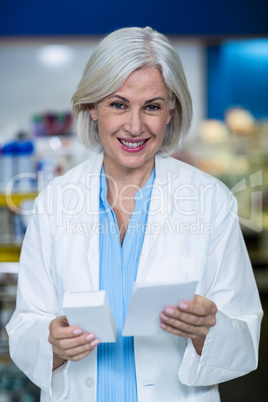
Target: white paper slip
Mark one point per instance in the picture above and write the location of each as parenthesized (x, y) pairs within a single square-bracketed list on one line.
[(92, 313), (148, 300)]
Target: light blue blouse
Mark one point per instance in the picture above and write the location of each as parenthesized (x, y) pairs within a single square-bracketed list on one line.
[(118, 270)]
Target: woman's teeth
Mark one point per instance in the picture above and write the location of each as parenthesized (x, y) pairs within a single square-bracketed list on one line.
[(132, 144)]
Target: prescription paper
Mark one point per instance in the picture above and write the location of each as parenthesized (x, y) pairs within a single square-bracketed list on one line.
[(148, 300)]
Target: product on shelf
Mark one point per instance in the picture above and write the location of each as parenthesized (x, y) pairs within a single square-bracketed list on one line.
[(17, 163)]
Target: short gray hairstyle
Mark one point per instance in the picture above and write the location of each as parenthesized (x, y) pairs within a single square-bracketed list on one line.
[(117, 56)]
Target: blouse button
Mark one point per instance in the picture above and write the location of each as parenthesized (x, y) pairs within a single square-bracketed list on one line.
[(89, 382)]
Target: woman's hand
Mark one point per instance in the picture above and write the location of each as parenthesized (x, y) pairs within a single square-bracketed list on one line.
[(69, 343), (190, 320)]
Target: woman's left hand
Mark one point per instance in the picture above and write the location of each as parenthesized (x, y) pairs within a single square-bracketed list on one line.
[(190, 320)]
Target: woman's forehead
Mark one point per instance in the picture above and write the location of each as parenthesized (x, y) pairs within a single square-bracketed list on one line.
[(144, 82)]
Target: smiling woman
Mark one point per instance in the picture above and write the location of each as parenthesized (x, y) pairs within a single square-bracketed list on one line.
[(129, 50), (132, 130), (143, 216)]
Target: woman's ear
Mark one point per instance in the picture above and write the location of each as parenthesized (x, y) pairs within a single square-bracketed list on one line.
[(171, 113), (172, 104), (93, 111)]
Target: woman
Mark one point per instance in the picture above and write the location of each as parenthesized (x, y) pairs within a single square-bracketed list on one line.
[(88, 233)]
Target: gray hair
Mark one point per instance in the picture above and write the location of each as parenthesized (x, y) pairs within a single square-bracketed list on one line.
[(116, 57)]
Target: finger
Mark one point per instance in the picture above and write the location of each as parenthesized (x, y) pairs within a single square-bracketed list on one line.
[(63, 333), (178, 332), (181, 328), (59, 329), (176, 318), (73, 353), (70, 343), (81, 356), (188, 318), (199, 306)]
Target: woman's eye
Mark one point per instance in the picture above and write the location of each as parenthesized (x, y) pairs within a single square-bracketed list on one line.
[(153, 107), (118, 105)]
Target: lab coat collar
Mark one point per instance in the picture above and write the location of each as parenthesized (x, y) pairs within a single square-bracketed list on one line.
[(90, 178), (164, 172)]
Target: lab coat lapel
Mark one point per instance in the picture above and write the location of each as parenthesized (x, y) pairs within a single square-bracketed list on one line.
[(160, 210), (89, 216)]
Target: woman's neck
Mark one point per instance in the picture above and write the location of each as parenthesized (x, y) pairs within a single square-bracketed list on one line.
[(120, 177)]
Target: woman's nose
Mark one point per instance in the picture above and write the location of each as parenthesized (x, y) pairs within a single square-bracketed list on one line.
[(134, 124)]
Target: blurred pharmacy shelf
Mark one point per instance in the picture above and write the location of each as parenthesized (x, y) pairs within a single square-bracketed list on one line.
[(12, 224), (15, 199), (9, 267), (14, 385), (238, 157)]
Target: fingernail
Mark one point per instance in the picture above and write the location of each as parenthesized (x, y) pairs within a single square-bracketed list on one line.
[(94, 343), (164, 317), (90, 337), (77, 331), (169, 311), (183, 306), (162, 325)]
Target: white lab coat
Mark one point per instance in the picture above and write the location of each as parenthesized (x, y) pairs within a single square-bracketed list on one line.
[(192, 233)]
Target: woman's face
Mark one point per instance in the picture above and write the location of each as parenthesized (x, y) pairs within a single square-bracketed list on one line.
[(132, 121)]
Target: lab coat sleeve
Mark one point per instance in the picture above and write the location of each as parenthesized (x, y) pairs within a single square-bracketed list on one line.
[(231, 346), (36, 307)]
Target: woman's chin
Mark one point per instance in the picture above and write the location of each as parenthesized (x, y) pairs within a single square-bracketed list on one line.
[(136, 162)]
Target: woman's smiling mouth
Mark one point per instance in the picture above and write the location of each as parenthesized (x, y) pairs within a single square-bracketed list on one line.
[(132, 145)]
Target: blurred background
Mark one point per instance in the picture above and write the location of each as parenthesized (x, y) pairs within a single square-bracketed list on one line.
[(43, 50)]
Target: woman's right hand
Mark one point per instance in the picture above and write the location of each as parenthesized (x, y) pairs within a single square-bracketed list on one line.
[(69, 343)]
